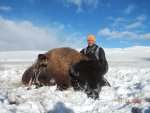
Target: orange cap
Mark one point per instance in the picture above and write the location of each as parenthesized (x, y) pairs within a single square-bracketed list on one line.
[(91, 37)]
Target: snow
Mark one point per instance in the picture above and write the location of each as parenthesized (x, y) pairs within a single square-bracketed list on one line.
[(129, 76)]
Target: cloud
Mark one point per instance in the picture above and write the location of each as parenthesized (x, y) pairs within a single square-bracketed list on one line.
[(134, 25), (79, 3), (116, 34), (105, 32), (141, 18), (93, 3), (137, 24), (117, 21), (129, 9), (122, 30), (77, 40), (6, 8), (145, 37), (112, 34), (26, 36)]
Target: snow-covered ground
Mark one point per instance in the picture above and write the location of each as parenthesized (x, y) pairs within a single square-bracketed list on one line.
[(129, 76)]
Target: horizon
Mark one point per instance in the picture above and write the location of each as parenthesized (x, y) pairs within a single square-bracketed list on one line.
[(78, 49), (141, 46), (112, 55), (27, 25)]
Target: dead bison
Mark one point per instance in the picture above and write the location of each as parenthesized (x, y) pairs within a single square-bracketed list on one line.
[(66, 67)]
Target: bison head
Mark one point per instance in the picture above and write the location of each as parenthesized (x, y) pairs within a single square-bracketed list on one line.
[(31, 75), (88, 76)]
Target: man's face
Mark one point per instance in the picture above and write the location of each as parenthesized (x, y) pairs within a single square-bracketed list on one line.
[(91, 42)]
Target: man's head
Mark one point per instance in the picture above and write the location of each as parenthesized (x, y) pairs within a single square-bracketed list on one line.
[(91, 40)]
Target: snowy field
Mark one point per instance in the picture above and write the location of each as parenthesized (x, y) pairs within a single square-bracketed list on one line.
[(129, 76)]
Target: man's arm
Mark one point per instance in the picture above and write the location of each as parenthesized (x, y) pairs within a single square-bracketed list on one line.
[(102, 54), (103, 60)]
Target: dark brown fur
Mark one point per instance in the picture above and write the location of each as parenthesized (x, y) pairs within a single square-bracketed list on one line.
[(59, 62)]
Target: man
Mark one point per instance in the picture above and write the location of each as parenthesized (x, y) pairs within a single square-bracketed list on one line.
[(94, 52)]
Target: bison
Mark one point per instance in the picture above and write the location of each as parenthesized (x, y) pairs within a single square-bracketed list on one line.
[(66, 67)]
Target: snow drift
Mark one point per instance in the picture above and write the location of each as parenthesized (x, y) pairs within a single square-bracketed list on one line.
[(129, 76)]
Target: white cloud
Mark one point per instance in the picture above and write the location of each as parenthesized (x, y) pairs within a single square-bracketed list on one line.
[(125, 30), (145, 37), (128, 34), (137, 24), (141, 18), (93, 3), (79, 3), (118, 21), (26, 36), (121, 21), (116, 34), (134, 25), (129, 9), (77, 40), (112, 34), (105, 32), (6, 8)]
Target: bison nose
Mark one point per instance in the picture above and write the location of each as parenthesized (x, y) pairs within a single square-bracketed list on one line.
[(93, 94)]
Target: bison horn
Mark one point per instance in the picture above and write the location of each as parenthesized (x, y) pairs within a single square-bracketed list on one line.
[(104, 82), (42, 57), (73, 72)]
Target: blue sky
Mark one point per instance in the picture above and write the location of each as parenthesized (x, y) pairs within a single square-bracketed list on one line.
[(46, 24)]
